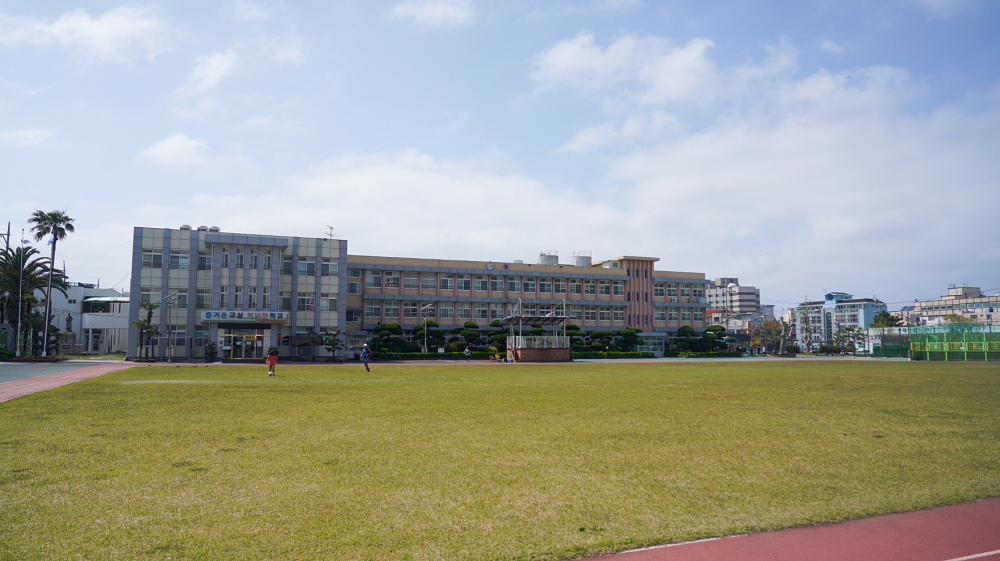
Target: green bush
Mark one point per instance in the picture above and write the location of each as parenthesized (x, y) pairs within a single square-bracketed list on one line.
[(386, 355), (6, 355), (614, 354), (716, 354)]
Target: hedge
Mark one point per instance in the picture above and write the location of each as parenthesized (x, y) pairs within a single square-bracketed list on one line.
[(384, 355), (716, 354), (614, 354), (5, 354)]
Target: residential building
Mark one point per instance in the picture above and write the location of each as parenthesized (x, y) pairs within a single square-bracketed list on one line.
[(728, 294), (248, 292), (826, 317), (965, 301), (86, 333)]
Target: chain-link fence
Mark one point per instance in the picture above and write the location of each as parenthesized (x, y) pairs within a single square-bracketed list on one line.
[(956, 342)]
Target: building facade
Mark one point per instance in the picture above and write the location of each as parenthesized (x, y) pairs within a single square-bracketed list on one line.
[(247, 293), (824, 318), (85, 333), (965, 301), (727, 293)]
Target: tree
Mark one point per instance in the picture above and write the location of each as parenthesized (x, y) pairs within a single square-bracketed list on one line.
[(882, 323), (808, 329), (57, 225), (333, 341), (786, 328), (148, 328), (22, 272)]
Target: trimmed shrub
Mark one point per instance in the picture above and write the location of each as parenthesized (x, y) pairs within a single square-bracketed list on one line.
[(6, 355), (614, 354), (716, 354)]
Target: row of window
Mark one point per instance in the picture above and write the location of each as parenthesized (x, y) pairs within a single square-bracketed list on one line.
[(180, 260), (253, 297), (529, 285), (419, 311)]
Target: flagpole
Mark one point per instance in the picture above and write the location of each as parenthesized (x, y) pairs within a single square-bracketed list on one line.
[(20, 296)]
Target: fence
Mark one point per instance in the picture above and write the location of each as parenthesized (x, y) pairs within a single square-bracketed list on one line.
[(956, 342), (541, 342)]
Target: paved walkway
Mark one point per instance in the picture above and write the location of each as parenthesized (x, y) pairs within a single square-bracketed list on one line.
[(18, 379), (951, 533)]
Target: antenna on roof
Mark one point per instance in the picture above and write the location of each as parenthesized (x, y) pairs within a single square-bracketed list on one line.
[(6, 237), (329, 232)]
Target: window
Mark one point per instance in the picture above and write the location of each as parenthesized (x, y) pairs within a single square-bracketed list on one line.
[(373, 279), (353, 315), (685, 314), (411, 310), (619, 313), (329, 268), (559, 286), (354, 288), (286, 265), (685, 289), (239, 258), (223, 297), (267, 260), (446, 282), (252, 298), (390, 308), (265, 298), (428, 281), (699, 314), (204, 261), (411, 280), (152, 259), (514, 284), (605, 313), (146, 295), (576, 311), (660, 314), (373, 308), (672, 314), (203, 299), (659, 289), (482, 310), (698, 290), (225, 258), (447, 310), (254, 258), (544, 309), (481, 283), (307, 266), (529, 284), (392, 279), (496, 311), (286, 301), (237, 296), (671, 289), (590, 313), (590, 287), (530, 310), (575, 286), (605, 287), (464, 282), (354, 273), (496, 284), (464, 310), (306, 302), (429, 310), (618, 288), (180, 260), (545, 286)]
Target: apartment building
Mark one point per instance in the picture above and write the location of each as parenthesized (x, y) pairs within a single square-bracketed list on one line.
[(248, 292), (965, 301), (727, 293), (837, 310)]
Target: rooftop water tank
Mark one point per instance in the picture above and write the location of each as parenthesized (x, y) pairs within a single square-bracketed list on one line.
[(582, 259), (548, 258)]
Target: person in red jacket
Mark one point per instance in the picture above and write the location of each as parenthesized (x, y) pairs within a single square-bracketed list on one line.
[(271, 360)]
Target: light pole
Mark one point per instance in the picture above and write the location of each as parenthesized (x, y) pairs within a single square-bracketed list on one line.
[(166, 314), (424, 323), (20, 295)]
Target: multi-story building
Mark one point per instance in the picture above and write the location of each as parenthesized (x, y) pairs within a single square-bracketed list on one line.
[(965, 301), (250, 292), (86, 332), (728, 294), (826, 317)]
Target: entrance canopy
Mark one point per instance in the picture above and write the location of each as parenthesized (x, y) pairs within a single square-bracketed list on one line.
[(533, 321)]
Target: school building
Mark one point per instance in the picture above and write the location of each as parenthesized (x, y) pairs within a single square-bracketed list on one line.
[(249, 292)]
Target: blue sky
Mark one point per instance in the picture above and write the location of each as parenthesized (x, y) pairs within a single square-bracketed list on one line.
[(801, 146)]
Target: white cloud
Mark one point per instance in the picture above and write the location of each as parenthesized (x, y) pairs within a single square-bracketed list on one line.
[(287, 51), (830, 46), (250, 11), (944, 9), (118, 35), (25, 136), (177, 150), (435, 13), (637, 127), (208, 72)]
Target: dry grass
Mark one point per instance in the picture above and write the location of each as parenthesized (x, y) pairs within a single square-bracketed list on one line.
[(481, 462)]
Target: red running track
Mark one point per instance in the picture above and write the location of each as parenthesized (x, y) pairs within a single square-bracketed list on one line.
[(951, 533), (26, 386)]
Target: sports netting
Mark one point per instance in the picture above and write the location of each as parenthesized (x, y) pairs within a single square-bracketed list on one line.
[(956, 342)]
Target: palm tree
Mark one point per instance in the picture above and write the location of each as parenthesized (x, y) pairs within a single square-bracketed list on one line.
[(21, 274), (56, 224)]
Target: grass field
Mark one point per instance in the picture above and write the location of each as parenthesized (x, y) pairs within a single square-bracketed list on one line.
[(483, 461)]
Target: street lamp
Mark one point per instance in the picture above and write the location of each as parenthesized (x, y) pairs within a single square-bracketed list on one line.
[(20, 295), (166, 314), (423, 316)]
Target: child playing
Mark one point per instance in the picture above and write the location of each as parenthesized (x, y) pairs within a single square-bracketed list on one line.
[(271, 360)]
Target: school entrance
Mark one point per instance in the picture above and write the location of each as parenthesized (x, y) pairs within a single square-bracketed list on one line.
[(244, 342)]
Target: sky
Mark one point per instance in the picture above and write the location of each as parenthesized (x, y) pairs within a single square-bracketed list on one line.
[(802, 146)]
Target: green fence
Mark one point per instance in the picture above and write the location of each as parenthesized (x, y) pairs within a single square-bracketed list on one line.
[(956, 342), (891, 350)]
